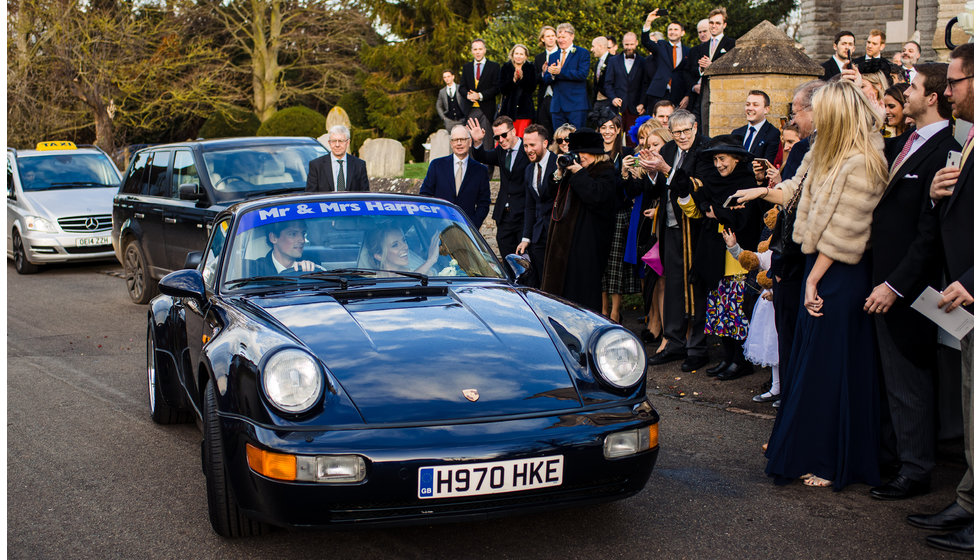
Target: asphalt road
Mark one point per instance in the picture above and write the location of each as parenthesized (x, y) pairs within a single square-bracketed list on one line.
[(90, 476)]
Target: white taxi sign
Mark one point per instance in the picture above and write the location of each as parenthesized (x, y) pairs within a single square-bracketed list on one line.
[(56, 145)]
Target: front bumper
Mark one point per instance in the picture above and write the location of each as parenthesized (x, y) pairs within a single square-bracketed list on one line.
[(388, 495), (43, 248)]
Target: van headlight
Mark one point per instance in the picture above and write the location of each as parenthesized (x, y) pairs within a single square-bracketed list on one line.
[(292, 380), (37, 223), (619, 358)]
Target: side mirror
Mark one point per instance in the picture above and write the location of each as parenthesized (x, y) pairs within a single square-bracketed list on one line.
[(183, 284), (519, 264), (189, 191), (193, 259)]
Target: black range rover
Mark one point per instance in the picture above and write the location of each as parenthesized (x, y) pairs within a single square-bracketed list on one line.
[(172, 192)]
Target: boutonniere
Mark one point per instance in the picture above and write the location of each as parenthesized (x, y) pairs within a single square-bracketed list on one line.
[(723, 51), (571, 50)]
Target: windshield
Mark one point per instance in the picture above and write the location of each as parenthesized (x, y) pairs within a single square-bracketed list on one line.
[(243, 172), (352, 240), (66, 171)]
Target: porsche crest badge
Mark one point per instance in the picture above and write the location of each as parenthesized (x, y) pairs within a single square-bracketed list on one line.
[(471, 394)]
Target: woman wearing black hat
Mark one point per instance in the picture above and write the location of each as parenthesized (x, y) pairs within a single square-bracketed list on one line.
[(722, 276), (582, 222)]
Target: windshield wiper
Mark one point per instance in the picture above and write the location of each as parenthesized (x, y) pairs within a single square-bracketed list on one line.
[(288, 279), (272, 192), (422, 278), (81, 184)]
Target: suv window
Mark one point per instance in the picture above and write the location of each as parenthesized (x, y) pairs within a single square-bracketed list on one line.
[(185, 171), (156, 176), (209, 263), (135, 177)]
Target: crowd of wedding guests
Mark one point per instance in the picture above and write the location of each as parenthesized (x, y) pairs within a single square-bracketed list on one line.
[(801, 247)]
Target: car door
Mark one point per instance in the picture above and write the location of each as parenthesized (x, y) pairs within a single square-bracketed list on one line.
[(15, 207), (141, 200), (198, 322), (187, 222)]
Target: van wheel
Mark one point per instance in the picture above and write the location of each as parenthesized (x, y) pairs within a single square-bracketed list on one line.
[(140, 285), (21, 264)]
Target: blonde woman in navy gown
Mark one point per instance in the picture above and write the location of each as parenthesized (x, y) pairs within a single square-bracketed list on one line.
[(826, 432)]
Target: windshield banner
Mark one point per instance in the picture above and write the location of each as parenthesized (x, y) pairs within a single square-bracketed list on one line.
[(306, 210)]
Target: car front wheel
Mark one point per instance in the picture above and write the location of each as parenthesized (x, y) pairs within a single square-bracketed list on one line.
[(140, 285), (227, 519), (160, 411), (21, 264)]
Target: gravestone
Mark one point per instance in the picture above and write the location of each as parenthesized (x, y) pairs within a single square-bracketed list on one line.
[(384, 157), (439, 144), (336, 116)]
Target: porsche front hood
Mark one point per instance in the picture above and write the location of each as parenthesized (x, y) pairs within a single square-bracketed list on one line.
[(477, 351)]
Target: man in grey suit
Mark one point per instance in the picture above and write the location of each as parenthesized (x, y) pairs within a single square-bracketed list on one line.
[(451, 104), (338, 171)]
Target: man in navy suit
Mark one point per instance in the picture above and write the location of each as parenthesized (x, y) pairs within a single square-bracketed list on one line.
[(338, 171), (701, 57), (904, 231), (952, 192), (480, 82), (287, 240), (624, 81), (843, 50), (460, 179), (665, 73), (759, 137), (538, 200), (549, 40), (508, 210), (568, 70)]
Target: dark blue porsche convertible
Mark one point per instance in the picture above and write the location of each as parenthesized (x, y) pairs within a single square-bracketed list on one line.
[(365, 359)]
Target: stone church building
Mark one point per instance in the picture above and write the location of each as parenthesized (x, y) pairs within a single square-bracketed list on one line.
[(899, 19)]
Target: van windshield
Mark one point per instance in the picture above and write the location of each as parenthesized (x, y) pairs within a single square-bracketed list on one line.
[(66, 171)]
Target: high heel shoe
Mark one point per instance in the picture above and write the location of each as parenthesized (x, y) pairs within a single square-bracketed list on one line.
[(649, 338)]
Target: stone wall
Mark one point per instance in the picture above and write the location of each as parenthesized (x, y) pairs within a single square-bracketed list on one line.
[(728, 98)]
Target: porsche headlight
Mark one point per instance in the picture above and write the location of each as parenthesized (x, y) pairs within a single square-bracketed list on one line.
[(619, 358), (292, 380), (37, 223)]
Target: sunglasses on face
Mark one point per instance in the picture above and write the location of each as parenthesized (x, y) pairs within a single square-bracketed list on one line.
[(561, 140), (499, 136)]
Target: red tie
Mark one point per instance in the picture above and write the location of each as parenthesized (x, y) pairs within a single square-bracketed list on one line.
[(905, 151), (478, 66)]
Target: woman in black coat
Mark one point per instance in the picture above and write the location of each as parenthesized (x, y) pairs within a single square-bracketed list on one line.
[(582, 222), (517, 83)]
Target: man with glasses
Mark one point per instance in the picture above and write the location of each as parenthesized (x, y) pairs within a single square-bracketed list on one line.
[(952, 193), (701, 57), (685, 300), (338, 171), (460, 179), (508, 210)]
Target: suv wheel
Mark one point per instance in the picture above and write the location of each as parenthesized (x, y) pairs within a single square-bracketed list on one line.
[(140, 285), (21, 264)]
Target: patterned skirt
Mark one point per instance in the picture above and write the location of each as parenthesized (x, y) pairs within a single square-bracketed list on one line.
[(620, 276), (724, 315)]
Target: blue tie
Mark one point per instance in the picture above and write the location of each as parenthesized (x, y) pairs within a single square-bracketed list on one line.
[(748, 138)]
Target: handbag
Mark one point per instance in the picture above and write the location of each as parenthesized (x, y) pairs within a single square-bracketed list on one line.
[(652, 259), (782, 233)]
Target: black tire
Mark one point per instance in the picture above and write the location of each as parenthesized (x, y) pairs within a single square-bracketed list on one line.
[(227, 519), (160, 411), (21, 264), (140, 285)]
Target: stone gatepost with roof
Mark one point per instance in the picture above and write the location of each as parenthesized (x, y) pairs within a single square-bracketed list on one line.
[(765, 58)]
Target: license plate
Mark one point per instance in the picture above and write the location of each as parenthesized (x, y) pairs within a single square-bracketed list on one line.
[(94, 241), (495, 477)]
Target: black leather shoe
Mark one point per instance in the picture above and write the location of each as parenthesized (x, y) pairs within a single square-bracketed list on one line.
[(734, 371), (960, 541), (900, 488), (665, 357), (693, 363), (953, 517), (716, 369)]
